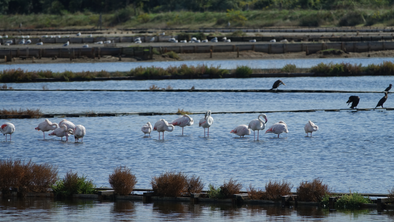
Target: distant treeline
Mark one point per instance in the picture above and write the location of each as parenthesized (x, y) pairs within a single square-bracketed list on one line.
[(156, 6)]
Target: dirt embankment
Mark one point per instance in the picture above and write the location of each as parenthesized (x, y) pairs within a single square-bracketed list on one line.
[(244, 55)]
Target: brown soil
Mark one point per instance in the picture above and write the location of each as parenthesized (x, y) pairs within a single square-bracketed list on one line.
[(206, 56)]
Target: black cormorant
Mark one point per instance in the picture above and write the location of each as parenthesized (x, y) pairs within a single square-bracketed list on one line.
[(354, 100)]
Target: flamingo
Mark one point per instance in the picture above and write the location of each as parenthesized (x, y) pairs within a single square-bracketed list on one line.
[(183, 121), (63, 130), (206, 122), (278, 128), (79, 132), (147, 128), (46, 126), (241, 130), (258, 124), (69, 124), (67, 43), (162, 125), (310, 127), (7, 128)]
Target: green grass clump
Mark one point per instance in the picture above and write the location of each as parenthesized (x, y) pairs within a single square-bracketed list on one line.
[(227, 190), (173, 55), (73, 184), (289, 68), (351, 201), (243, 71)]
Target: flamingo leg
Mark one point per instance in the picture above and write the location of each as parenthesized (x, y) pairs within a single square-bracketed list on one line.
[(204, 132), (278, 135), (182, 131), (208, 132), (159, 135), (163, 135), (43, 134), (258, 135)]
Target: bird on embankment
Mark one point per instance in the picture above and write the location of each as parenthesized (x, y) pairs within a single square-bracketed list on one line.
[(388, 88), (382, 100), (258, 124), (241, 130), (161, 126), (354, 100), (7, 128), (278, 128), (147, 128), (79, 133), (276, 84), (206, 122), (310, 127), (183, 121), (46, 126)]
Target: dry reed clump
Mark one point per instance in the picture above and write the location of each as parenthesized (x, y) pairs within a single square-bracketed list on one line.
[(312, 191), (227, 190), (182, 112), (31, 113), (254, 194), (169, 184), (194, 185), (154, 87), (275, 190), (391, 194), (122, 180), (26, 176)]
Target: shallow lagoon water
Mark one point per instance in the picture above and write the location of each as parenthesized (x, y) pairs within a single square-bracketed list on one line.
[(352, 151)]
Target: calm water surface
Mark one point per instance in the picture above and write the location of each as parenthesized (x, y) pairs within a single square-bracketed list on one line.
[(352, 151), (224, 64)]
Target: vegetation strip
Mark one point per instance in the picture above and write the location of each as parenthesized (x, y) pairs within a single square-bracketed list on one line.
[(91, 114), (197, 90)]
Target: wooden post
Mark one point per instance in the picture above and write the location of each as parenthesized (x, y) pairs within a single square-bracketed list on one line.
[(269, 48), (354, 47), (253, 47), (92, 53), (17, 52), (233, 48), (306, 50), (27, 53), (151, 52), (194, 49), (43, 53), (70, 54), (5, 58), (331, 203), (284, 48), (99, 53), (369, 47), (380, 205), (210, 53)]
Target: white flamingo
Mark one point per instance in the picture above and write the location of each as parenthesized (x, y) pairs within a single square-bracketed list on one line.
[(206, 122), (278, 128), (69, 124), (147, 128), (241, 130), (310, 127), (258, 124), (7, 128), (183, 121), (62, 131), (161, 126), (67, 43), (79, 132), (46, 126)]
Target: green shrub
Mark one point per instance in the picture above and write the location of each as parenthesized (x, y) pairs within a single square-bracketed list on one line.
[(213, 192), (289, 68), (352, 18), (73, 184), (351, 201), (122, 180), (243, 71), (172, 55)]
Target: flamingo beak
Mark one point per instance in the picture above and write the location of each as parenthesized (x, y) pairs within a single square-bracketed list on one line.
[(233, 131), (269, 130)]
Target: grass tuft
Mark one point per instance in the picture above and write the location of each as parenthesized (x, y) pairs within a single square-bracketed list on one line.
[(275, 190), (73, 184), (182, 112), (13, 113), (122, 180), (169, 184), (312, 191)]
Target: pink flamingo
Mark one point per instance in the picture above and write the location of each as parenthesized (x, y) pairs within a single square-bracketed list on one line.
[(79, 132), (258, 124), (278, 128), (161, 126), (147, 128), (310, 127), (206, 122), (61, 131), (241, 130), (183, 121), (7, 128), (46, 126), (69, 124)]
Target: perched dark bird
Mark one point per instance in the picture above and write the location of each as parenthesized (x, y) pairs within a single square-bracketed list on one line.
[(277, 84), (354, 100), (382, 100), (388, 88)]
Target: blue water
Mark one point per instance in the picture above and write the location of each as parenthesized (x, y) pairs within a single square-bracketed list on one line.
[(352, 151), (224, 64)]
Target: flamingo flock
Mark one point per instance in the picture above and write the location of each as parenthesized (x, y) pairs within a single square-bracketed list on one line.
[(64, 129)]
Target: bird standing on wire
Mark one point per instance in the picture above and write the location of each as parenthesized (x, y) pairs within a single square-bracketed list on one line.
[(277, 84), (382, 100), (354, 100)]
